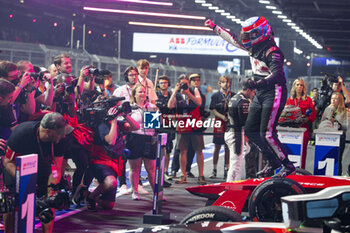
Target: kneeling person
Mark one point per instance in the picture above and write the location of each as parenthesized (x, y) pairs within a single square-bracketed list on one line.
[(106, 159)]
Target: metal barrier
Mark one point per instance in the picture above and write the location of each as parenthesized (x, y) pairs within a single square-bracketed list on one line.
[(42, 55)]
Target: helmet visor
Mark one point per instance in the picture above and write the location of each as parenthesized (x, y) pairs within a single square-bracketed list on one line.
[(245, 37)]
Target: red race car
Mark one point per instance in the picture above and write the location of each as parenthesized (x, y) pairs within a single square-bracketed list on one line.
[(261, 197), (325, 211)]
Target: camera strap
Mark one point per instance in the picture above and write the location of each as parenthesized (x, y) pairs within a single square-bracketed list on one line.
[(53, 165)]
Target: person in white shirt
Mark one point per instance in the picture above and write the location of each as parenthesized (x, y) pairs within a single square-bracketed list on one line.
[(131, 78), (141, 143), (143, 68)]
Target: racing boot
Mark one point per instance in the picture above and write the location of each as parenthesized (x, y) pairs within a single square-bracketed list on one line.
[(269, 169), (287, 169)]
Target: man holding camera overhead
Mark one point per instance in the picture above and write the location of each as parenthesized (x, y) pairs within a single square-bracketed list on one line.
[(336, 85), (42, 138)]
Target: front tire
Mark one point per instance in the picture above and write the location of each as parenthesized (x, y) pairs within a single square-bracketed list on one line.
[(212, 213), (265, 201)]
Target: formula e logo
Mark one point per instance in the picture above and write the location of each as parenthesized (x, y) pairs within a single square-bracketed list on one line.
[(151, 120)]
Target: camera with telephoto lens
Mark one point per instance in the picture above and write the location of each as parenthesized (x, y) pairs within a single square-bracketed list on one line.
[(59, 201), (38, 73), (69, 87), (100, 79), (94, 71), (94, 115)]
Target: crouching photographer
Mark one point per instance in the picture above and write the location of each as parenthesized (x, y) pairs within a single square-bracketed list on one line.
[(107, 151), (47, 139)]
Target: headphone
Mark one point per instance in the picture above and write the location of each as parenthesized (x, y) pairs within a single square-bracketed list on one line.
[(126, 72)]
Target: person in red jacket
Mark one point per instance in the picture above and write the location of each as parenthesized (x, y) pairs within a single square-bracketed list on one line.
[(298, 97)]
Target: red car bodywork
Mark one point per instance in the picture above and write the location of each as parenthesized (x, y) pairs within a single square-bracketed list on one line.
[(234, 195)]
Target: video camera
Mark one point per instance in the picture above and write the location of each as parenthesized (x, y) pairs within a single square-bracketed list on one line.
[(93, 115), (326, 83), (325, 92), (59, 201)]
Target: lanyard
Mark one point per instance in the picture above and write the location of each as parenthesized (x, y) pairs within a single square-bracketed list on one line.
[(41, 149), (226, 98), (146, 87)]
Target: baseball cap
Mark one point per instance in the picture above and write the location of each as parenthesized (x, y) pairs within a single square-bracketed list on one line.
[(55, 121), (192, 76)]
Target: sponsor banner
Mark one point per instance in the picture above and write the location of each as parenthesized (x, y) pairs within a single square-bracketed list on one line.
[(293, 144), (184, 44), (327, 154), (327, 61), (154, 120), (26, 179), (326, 160), (290, 137), (327, 140)]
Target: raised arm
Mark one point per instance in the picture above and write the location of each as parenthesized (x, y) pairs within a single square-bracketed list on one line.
[(230, 38)]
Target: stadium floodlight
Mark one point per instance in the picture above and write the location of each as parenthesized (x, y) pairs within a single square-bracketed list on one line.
[(143, 13), (147, 2)]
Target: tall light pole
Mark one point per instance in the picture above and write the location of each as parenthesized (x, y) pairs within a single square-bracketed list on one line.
[(119, 50), (71, 35)]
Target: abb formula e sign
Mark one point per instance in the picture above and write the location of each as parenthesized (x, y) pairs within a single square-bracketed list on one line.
[(184, 44)]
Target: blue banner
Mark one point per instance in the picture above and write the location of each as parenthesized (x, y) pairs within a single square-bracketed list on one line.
[(26, 174)]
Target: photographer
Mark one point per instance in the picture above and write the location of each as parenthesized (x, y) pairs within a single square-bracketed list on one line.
[(336, 117), (23, 102), (340, 87), (106, 156), (188, 101), (68, 92), (337, 85), (7, 118), (195, 81), (41, 85), (69, 89), (42, 138)]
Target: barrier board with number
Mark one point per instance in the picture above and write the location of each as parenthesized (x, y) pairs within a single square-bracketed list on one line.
[(292, 139), (327, 153), (26, 174)]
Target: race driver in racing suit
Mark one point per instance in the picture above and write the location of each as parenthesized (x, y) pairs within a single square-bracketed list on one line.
[(271, 91)]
